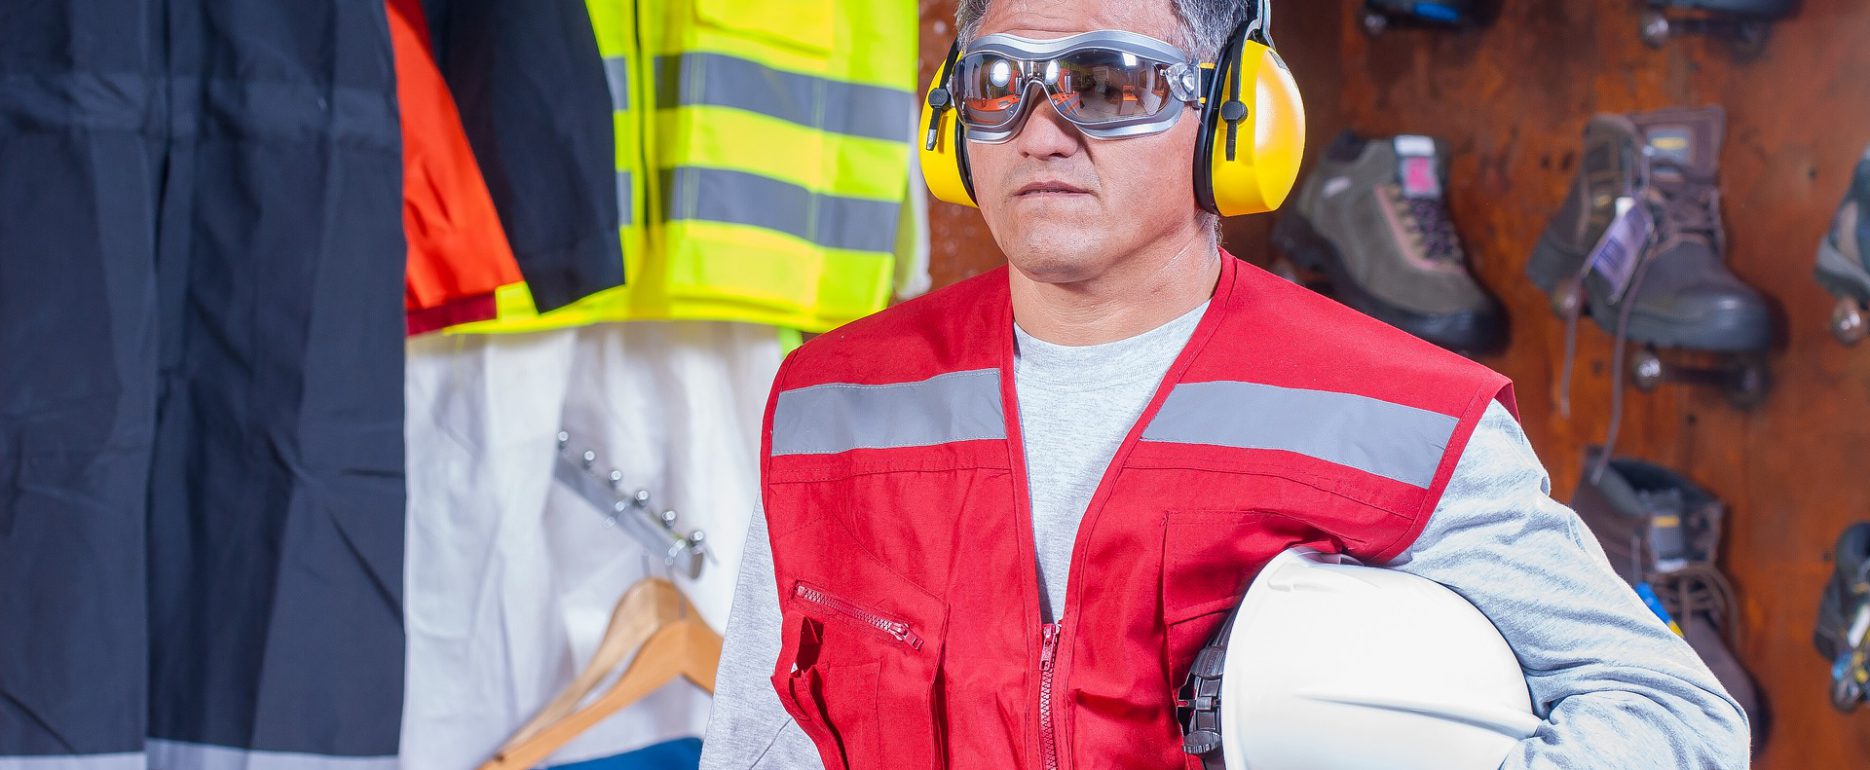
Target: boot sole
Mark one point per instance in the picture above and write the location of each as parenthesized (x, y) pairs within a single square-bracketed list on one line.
[(1725, 333), (1468, 332)]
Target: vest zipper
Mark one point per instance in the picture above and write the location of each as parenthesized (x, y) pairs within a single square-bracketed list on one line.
[(895, 628), (1048, 739)]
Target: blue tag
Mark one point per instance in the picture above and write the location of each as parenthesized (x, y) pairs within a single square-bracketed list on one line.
[(1654, 603)]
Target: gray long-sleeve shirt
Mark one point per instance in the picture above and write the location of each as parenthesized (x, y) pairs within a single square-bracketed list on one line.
[(1614, 686)]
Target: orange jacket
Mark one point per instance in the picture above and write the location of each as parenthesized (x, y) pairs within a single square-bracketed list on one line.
[(458, 254)]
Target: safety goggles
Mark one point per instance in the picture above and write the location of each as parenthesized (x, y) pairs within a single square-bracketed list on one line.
[(1109, 83)]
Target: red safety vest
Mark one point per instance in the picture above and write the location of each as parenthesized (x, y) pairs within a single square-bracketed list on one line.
[(896, 497)]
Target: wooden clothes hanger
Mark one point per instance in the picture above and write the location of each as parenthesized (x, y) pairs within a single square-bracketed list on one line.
[(643, 608), (670, 640)]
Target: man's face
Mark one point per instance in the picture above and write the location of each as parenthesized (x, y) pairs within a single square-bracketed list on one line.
[(1065, 207)]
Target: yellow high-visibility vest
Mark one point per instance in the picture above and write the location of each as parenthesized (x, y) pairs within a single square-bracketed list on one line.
[(779, 143)]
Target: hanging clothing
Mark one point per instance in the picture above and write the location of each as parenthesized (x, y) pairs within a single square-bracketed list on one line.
[(512, 577), (530, 88), (770, 155), (201, 265), (783, 153), (458, 255), (78, 208)]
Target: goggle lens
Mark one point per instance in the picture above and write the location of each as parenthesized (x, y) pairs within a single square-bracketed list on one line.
[(1089, 87), (1107, 86), (987, 90)]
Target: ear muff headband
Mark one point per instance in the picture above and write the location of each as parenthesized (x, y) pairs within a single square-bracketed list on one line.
[(944, 147)]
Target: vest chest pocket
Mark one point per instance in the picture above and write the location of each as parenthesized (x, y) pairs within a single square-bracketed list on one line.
[(857, 670), (1209, 558)]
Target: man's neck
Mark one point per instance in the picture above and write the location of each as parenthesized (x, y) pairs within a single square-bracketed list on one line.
[(1139, 294)]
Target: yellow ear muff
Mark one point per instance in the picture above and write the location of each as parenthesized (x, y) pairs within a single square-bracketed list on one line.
[(1253, 132), (944, 149)]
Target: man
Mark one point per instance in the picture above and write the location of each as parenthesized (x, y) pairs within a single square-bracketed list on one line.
[(1132, 407)]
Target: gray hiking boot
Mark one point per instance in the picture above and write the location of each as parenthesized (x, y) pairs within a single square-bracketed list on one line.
[(1662, 280), (1843, 266), (1371, 218), (1662, 534)]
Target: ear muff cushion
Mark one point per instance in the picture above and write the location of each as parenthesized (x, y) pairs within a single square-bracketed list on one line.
[(944, 164), (1268, 139)]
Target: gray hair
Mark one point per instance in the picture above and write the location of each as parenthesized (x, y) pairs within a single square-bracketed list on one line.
[(1203, 24)]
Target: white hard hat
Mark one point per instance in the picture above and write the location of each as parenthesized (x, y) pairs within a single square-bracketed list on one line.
[(1332, 665)]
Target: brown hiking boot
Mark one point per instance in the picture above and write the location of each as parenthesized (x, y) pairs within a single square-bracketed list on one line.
[(1662, 533)]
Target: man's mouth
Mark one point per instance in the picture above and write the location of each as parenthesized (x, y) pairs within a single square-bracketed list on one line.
[(1050, 187)]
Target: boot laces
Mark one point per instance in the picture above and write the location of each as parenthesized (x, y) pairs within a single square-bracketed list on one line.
[(1686, 208), (1698, 591), (1425, 222), (1689, 207)]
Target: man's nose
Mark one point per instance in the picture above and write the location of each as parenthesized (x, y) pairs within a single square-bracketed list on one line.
[(1047, 133)]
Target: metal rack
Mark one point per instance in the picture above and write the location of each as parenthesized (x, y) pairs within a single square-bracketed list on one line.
[(630, 510)]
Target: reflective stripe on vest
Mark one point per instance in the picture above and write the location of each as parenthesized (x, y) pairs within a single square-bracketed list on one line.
[(736, 197), (779, 144), (840, 417), (1375, 436), (714, 80), (1394, 441)]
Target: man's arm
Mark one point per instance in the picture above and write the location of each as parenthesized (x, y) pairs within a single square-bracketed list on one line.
[(748, 729), (1615, 687)]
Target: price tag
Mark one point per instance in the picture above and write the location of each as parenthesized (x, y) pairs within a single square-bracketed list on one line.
[(1616, 255), (1415, 167)]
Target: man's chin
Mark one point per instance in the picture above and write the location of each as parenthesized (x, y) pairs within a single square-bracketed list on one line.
[(1066, 260)]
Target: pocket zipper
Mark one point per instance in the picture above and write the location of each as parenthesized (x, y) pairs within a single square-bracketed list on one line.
[(895, 628)]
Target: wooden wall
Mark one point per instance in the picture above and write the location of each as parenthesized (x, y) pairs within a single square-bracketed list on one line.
[(1512, 99)]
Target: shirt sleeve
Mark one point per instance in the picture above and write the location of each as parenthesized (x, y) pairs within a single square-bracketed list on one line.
[(748, 729), (1614, 686)]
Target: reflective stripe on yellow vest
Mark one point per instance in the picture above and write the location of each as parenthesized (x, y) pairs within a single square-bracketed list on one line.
[(779, 141)]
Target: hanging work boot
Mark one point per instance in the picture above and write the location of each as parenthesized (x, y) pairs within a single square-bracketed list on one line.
[(1371, 218), (1844, 619), (1843, 267), (1662, 534), (1663, 266)]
